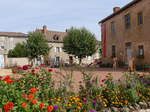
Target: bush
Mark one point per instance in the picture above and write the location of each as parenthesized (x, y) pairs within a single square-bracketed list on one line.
[(18, 51), (107, 65)]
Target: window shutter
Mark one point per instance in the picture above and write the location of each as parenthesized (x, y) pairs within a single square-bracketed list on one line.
[(55, 49), (60, 49)]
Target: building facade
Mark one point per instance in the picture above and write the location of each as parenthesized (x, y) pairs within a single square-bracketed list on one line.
[(56, 54), (8, 40), (126, 33)]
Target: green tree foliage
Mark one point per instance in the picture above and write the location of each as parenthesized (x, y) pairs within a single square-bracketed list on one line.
[(100, 48), (18, 51), (80, 42), (36, 45)]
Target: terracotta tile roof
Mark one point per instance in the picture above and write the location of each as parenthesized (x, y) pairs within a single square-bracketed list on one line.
[(13, 34), (53, 36), (121, 10)]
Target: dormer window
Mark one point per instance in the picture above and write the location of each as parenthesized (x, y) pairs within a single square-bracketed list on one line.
[(56, 37)]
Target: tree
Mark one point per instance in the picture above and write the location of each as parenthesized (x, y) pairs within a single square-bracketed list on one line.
[(36, 45), (18, 51), (80, 43)]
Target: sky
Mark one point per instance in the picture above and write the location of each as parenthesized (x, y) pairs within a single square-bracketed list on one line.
[(59, 15)]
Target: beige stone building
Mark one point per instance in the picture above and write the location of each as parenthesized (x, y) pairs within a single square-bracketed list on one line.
[(126, 33), (8, 40), (56, 54)]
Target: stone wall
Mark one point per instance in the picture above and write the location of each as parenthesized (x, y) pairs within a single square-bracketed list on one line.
[(136, 34), (11, 62)]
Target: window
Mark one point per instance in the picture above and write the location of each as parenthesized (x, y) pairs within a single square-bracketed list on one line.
[(113, 27), (57, 49), (2, 47), (141, 50), (113, 51), (89, 58), (127, 19), (128, 44), (57, 59), (56, 37), (140, 18)]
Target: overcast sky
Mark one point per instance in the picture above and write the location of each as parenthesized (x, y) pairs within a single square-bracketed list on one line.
[(27, 15)]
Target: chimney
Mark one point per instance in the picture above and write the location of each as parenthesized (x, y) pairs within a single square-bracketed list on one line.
[(116, 9), (66, 30), (44, 28)]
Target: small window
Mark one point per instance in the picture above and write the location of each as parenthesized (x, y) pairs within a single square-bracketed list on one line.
[(56, 37), (127, 19), (140, 18), (57, 49), (141, 50), (2, 47), (113, 30), (89, 58), (113, 51), (57, 60)]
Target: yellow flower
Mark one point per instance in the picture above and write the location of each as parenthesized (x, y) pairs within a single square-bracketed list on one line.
[(69, 105), (126, 101), (78, 107)]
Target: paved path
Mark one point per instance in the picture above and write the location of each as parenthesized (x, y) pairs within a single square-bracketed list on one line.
[(5, 72)]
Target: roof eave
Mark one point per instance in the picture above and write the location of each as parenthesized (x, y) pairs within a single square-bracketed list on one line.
[(122, 9)]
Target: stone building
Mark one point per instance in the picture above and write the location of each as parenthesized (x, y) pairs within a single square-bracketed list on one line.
[(56, 54), (126, 33), (8, 40)]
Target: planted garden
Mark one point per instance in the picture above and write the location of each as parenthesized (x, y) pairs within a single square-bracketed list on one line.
[(36, 91)]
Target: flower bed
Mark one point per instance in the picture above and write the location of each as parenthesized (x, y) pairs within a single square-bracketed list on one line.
[(35, 91)]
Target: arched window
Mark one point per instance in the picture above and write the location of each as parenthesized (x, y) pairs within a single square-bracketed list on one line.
[(56, 37)]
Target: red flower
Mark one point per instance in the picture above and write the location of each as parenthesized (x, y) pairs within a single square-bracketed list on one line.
[(14, 72), (34, 101), (103, 80), (8, 106), (42, 64), (37, 68), (1, 77), (9, 81), (19, 68), (50, 108), (25, 67), (42, 105), (29, 65), (24, 96), (33, 90), (6, 77), (33, 71), (24, 105), (50, 70), (30, 96)]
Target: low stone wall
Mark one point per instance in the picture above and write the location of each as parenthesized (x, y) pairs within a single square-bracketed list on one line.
[(17, 62)]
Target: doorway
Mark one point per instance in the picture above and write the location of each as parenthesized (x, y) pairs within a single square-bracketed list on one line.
[(1, 61), (128, 52), (71, 60)]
